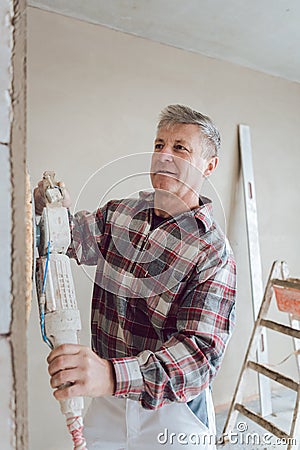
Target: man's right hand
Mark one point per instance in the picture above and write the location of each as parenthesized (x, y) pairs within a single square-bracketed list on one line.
[(40, 201)]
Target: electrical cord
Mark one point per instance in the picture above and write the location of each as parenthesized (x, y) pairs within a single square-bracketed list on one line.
[(42, 301)]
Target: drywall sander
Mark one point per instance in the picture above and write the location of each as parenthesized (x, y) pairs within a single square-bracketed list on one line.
[(59, 315)]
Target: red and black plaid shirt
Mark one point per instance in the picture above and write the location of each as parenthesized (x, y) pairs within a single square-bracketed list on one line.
[(163, 299)]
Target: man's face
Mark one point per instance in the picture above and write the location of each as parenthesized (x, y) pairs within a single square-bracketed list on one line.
[(177, 164)]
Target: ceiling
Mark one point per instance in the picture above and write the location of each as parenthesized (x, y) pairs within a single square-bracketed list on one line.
[(260, 34)]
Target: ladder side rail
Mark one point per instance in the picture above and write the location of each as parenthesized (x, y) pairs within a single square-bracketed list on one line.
[(294, 442), (295, 324), (251, 352)]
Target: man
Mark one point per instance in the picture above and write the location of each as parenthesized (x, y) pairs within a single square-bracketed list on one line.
[(163, 301)]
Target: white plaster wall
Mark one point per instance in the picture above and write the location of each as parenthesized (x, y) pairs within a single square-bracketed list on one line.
[(93, 96), (13, 344)]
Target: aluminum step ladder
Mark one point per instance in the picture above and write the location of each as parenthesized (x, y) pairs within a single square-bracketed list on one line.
[(287, 294)]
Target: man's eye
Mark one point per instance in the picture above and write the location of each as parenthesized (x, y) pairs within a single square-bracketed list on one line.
[(158, 146), (180, 148)]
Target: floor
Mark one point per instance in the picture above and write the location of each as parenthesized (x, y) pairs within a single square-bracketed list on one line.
[(249, 436)]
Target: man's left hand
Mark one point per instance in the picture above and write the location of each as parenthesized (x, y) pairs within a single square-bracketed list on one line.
[(81, 371)]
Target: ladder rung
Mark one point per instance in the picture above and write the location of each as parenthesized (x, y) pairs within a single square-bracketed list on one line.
[(276, 376), (291, 283), (280, 328), (266, 424)]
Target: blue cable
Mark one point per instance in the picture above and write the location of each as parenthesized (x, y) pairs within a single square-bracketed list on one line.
[(46, 268), (42, 309)]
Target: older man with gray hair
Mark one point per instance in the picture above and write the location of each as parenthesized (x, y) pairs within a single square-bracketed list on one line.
[(163, 301)]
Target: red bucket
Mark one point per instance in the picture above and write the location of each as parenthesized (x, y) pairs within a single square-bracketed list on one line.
[(287, 293)]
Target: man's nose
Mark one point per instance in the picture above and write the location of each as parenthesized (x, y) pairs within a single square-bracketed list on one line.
[(166, 153)]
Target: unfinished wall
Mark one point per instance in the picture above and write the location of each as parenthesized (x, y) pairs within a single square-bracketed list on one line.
[(13, 339), (94, 96)]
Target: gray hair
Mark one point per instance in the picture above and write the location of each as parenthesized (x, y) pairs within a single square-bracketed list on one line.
[(175, 114)]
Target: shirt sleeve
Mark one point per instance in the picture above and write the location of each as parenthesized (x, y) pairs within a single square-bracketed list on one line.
[(87, 230), (190, 359)]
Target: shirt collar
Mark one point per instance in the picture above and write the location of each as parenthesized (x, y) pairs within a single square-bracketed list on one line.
[(204, 213)]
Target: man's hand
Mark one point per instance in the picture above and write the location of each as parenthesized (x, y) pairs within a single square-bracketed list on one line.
[(39, 197), (79, 366)]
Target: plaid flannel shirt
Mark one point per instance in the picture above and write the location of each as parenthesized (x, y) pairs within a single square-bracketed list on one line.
[(163, 299)]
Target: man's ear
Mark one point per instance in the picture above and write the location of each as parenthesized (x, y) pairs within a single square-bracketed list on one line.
[(211, 165)]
